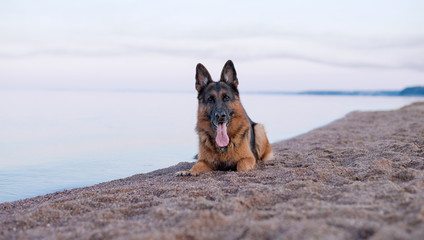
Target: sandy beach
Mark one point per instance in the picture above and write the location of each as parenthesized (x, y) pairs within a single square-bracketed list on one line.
[(360, 177)]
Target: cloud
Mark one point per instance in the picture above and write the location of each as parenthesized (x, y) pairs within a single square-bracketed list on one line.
[(391, 57), (345, 63)]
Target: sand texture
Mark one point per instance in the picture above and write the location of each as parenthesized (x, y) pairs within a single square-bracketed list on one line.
[(360, 177)]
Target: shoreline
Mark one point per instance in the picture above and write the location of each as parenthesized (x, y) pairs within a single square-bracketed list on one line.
[(361, 176)]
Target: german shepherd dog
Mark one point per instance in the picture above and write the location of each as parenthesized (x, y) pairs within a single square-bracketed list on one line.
[(228, 139)]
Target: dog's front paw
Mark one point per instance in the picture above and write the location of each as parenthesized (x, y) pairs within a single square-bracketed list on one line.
[(186, 173)]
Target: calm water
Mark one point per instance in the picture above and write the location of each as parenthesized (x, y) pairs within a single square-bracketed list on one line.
[(56, 140)]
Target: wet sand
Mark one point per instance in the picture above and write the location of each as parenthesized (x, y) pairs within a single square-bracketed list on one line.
[(360, 177)]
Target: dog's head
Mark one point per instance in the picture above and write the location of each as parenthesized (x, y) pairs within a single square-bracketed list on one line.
[(218, 101)]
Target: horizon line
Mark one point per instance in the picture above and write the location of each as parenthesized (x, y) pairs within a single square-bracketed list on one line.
[(258, 92)]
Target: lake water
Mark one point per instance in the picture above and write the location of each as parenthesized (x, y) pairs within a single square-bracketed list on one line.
[(56, 140)]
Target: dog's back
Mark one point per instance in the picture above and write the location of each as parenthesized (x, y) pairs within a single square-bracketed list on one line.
[(262, 146)]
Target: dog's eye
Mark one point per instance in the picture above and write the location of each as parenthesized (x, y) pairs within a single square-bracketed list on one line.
[(211, 99), (226, 98)]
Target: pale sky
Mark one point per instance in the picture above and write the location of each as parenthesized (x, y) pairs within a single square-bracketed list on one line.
[(155, 45)]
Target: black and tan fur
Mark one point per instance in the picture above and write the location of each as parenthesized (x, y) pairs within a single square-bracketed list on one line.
[(219, 103)]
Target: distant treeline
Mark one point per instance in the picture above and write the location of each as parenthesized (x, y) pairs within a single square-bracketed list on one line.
[(411, 91)]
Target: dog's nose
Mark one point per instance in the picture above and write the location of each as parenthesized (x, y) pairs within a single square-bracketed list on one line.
[(220, 116)]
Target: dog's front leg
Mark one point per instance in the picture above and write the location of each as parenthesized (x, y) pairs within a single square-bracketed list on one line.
[(246, 164), (198, 168)]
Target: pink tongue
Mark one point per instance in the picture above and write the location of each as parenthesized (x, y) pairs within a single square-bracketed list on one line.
[(221, 135)]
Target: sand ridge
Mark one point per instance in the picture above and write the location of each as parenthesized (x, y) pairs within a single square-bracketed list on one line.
[(360, 177)]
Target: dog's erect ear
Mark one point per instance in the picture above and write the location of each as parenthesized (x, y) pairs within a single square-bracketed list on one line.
[(203, 77), (229, 74)]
